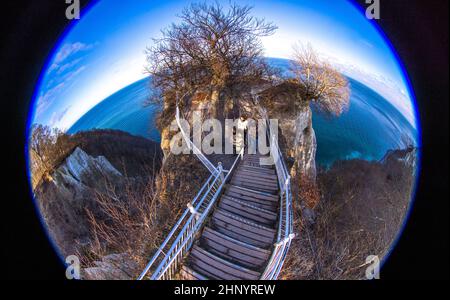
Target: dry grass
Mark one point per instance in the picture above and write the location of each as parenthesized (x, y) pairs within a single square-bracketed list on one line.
[(360, 212), (135, 220)]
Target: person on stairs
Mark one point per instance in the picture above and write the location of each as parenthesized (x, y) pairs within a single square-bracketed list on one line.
[(241, 134)]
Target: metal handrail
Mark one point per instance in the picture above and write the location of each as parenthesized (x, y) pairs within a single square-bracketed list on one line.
[(190, 223), (195, 215), (183, 217), (192, 218), (192, 146), (285, 225), (185, 238)]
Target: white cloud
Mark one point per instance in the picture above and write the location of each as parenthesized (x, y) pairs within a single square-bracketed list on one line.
[(56, 117), (63, 60), (55, 90), (46, 99), (386, 87), (70, 49)]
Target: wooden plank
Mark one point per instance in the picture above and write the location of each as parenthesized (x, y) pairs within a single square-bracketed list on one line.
[(256, 186), (223, 266), (269, 177), (253, 209), (257, 174), (256, 160), (205, 268), (227, 266), (264, 204), (244, 214), (266, 213), (256, 179), (268, 204), (257, 165), (243, 224), (253, 193), (271, 183), (232, 255), (236, 258), (236, 245), (198, 268), (256, 169), (242, 235)]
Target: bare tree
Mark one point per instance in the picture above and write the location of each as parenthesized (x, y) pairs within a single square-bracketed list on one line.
[(48, 147), (318, 81), (211, 50), (41, 140)]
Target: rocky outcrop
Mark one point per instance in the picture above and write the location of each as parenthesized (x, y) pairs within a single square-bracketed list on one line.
[(300, 142), (81, 169), (408, 156), (296, 134), (69, 191)]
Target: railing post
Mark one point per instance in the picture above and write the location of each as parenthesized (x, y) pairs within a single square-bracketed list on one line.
[(220, 170), (193, 211)]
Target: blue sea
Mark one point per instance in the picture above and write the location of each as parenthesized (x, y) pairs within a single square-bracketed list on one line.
[(369, 128), (125, 110)]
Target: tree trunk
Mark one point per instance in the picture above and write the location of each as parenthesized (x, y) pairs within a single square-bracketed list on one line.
[(215, 103), (165, 141)]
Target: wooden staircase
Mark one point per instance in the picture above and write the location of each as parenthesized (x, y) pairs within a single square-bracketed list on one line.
[(238, 239)]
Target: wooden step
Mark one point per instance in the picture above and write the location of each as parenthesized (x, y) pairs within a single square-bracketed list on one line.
[(257, 169), (271, 187), (256, 178), (266, 213), (236, 244), (257, 165), (264, 204), (242, 235), (243, 214), (221, 267), (256, 155), (252, 193), (254, 185), (246, 212), (189, 274), (200, 269), (252, 156), (256, 160), (261, 175), (234, 250), (243, 223)]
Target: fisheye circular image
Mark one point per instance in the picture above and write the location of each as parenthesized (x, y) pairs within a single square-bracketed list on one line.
[(223, 140)]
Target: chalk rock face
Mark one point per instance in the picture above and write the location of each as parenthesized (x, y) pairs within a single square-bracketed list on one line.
[(112, 267), (298, 140), (304, 145), (71, 190), (81, 168)]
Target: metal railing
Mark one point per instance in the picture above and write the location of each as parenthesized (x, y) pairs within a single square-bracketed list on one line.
[(172, 251), (167, 260), (192, 146), (285, 219)]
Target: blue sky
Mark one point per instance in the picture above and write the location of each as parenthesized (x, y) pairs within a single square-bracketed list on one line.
[(104, 51)]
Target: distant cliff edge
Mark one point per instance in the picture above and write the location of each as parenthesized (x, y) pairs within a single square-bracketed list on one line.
[(101, 161)]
